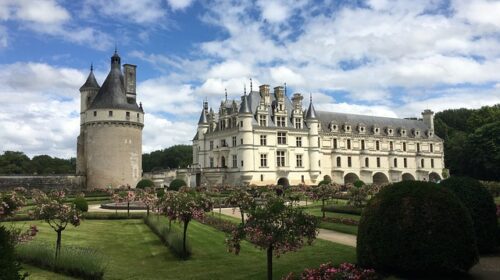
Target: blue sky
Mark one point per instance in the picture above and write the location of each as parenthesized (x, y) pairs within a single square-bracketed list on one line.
[(375, 57)]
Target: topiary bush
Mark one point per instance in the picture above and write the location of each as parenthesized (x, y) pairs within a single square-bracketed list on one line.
[(359, 184), (81, 204), (145, 183), (416, 228), (176, 184), (481, 206), (9, 267)]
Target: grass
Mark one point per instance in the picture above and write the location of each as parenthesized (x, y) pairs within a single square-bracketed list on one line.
[(171, 237), (497, 200), (317, 212), (340, 227), (81, 262), (36, 273), (134, 252)]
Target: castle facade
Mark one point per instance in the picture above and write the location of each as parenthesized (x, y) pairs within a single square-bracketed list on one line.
[(109, 147), (268, 138)]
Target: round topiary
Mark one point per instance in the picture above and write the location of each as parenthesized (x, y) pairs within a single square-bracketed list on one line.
[(145, 183), (81, 204), (481, 206), (176, 184), (416, 228)]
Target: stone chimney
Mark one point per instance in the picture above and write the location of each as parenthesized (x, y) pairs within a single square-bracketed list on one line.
[(130, 81), (428, 118)]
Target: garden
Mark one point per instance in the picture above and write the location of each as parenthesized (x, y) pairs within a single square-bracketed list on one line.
[(183, 233)]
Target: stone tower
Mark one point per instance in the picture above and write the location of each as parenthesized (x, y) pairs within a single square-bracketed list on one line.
[(109, 147)]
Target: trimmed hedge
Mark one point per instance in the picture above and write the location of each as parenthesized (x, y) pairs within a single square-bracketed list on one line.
[(344, 209), (145, 183), (415, 228), (176, 184), (481, 206), (81, 204)]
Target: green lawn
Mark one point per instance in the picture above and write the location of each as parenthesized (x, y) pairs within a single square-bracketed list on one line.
[(134, 252), (316, 211)]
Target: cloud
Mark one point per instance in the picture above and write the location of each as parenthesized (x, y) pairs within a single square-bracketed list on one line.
[(481, 12), (160, 133), (274, 11), (144, 11), (41, 11), (179, 4)]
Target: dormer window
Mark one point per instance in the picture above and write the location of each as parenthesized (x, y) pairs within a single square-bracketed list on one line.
[(376, 130), (390, 131), (429, 133), (298, 123), (347, 128), (416, 133), (334, 127), (402, 131), (262, 120), (361, 128)]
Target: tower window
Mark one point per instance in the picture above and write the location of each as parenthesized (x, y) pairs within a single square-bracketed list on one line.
[(395, 162), (339, 163), (378, 162), (367, 162), (127, 115), (349, 162), (335, 143), (431, 148), (377, 145), (405, 162), (362, 144), (95, 113), (235, 161), (110, 113), (348, 144)]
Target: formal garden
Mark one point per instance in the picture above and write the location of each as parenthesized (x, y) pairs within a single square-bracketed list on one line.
[(406, 229)]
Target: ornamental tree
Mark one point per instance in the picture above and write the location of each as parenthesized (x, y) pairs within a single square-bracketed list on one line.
[(127, 196), (52, 209), (147, 197), (323, 192), (184, 206), (275, 227), (241, 199)]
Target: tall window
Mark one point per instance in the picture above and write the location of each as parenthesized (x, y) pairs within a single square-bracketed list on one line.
[(367, 162), (211, 145), (263, 160), (234, 141), (263, 140), (349, 162), (261, 177), (339, 162), (110, 113), (432, 163), (395, 162), (418, 147), (127, 115), (262, 120), (223, 143), (280, 158), (302, 178), (299, 160), (235, 161), (377, 145), (335, 143), (431, 148), (298, 141), (391, 146), (211, 162), (405, 162), (95, 113), (362, 144), (298, 123), (404, 146), (281, 121), (422, 163), (282, 138), (348, 144), (378, 162)]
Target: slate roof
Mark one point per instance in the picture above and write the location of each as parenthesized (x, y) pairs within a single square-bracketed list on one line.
[(112, 94), (91, 82)]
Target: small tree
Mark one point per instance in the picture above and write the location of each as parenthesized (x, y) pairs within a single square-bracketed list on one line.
[(127, 196), (184, 206), (357, 196), (241, 199), (323, 192), (147, 197), (52, 209), (275, 227)]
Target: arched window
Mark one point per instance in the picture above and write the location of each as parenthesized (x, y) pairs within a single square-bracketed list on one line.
[(338, 162)]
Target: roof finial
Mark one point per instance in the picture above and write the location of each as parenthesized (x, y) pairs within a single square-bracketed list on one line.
[(91, 66), (310, 97), (245, 89), (225, 93), (116, 48), (251, 86), (285, 89)]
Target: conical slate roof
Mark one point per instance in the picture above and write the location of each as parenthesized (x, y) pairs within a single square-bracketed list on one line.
[(311, 113), (203, 117), (112, 94), (91, 82), (245, 106)]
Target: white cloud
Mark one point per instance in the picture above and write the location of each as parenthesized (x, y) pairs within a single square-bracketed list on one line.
[(179, 4), (144, 11), (274, 11), (230, 69), (160, 133), (41, 11), (482, 12)]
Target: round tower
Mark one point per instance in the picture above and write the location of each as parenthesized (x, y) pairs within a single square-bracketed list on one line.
[(199, 149), (314, 150), (111, 131), (245, 152)]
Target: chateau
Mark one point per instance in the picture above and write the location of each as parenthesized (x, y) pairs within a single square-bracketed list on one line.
[(109, 147), (266, 138)]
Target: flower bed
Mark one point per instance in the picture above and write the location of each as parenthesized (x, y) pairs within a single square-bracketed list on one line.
[(222, 225), (345, 221), (327, 271)]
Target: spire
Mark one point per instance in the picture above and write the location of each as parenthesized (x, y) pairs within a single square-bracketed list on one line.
[(285, 89), (251, 86), (203, 116), (245, 106), (225, 93), (311, 113), (91, 82)]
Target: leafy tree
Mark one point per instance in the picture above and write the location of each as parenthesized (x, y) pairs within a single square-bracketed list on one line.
[(147, 197), (172, 157), (243, 200), (482, 149), (275, 227), (323, 192), (52, 208), (18, 163)]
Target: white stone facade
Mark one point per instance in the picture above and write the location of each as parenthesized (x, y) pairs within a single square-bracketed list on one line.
[(269, 139)]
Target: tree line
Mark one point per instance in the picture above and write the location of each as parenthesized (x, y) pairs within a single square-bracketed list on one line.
[(18, 163), (471, 141)]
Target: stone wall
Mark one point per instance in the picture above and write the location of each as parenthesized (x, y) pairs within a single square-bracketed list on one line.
[(50, 182)]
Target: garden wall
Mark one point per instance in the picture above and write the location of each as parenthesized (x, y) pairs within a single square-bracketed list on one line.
[(46, 182)]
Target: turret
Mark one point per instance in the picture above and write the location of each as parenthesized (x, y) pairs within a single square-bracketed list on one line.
[(245, 117), (428, 118), (88, 91), (314, 149), (199, 141)]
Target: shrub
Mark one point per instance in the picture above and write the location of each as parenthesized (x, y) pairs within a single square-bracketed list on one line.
[(168, 236), (481, 206), (345, 209), (160, 192), (145, 183), (324, 182), (327, 178), (416, 228), (81, 204), (9, 267), (329, 272), (359, 184), (176, 184), (75, 261), (222, 225)]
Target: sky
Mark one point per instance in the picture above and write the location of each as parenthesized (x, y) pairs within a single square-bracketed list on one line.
[(374, 57)]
